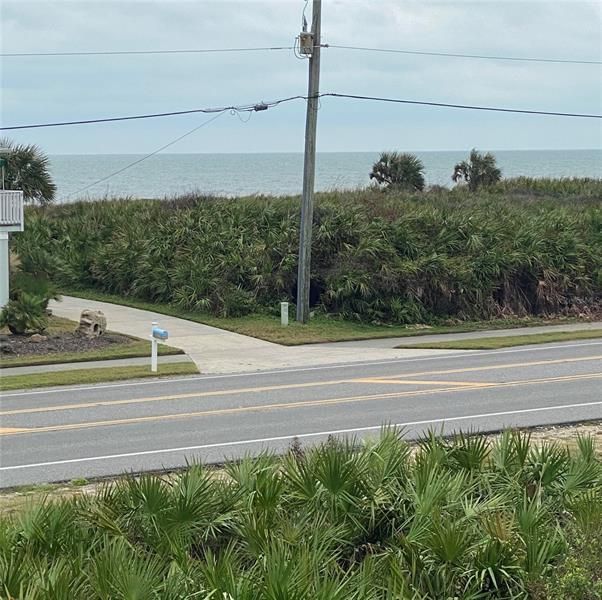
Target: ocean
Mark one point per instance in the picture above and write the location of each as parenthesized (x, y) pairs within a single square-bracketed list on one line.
[(166, 175)]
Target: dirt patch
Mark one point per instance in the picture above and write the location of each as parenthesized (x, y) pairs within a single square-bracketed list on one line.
[(23, 345), (15, 501), (568, 434)]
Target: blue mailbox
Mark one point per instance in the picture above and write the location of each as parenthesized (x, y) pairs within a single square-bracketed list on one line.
[(160, 334)]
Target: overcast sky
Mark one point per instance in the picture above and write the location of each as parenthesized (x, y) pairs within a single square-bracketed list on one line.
[(40, 89)]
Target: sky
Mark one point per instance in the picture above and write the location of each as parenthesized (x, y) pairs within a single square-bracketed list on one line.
[(46, 89)]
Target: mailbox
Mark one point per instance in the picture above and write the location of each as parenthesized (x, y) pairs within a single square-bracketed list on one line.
[(160, 334)]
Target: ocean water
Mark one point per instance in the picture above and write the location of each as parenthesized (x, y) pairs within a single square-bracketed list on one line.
[(277, 174)]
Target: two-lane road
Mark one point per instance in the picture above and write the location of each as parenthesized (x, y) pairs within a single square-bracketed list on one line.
[(59, 434)]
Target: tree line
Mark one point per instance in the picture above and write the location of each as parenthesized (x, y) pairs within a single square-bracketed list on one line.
[(406, 171)]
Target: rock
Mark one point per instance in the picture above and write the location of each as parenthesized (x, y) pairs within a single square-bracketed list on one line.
[(36, 338), (6, 348), (92, 323)]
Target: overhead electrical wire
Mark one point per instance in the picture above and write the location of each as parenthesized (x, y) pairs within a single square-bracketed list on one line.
[(138, 161), (465, 106), (239, 108), (143, 52), (459, 55), (265, 105), (280, 48)]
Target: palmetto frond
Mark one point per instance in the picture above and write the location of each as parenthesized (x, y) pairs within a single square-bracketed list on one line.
[(394, 169), (390, 258), (27, 169), (342, 520), (478, 172)]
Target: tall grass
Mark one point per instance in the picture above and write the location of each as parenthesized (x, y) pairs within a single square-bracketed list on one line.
[(523, 247), (464, 518), (575, 188)]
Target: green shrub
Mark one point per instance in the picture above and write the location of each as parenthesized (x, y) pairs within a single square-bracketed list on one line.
[(575, 583), (28, 169), (79, 481), (576, 188), (579, 575), (479, 171), (397, 257), (23, 314), (397, 170), (465, 518), (33, 284)]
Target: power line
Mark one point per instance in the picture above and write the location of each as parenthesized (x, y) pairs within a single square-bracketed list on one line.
[(136, 162), (465, 106), (265, 105), (280, 48), (143, 52), (475, 56), (239, 108)]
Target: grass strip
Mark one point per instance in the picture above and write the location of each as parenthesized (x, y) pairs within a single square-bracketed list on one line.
[(320, 329), (87, 376), (135, 349), (493, 343)]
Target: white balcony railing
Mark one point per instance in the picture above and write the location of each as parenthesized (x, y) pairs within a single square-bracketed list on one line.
[(11, 210)]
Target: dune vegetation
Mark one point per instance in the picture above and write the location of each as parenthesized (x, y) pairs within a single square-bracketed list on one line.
[(523, 247), (466, 518)]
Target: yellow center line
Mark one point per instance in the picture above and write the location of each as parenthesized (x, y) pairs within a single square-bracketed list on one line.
[(9, 430), (97, 403), (289, 386), (224, 411), (422, 382), (290, 405), (496, 367)]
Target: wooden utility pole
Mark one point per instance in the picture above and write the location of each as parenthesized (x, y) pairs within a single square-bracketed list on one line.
[(309, 168)]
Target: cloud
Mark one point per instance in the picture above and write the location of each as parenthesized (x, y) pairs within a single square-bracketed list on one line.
[(45, 89)]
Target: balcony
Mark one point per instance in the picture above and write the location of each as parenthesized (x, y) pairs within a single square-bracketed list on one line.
[(11, 210)]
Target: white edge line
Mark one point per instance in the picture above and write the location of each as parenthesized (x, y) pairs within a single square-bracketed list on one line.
[(345, 365), (298, 435)]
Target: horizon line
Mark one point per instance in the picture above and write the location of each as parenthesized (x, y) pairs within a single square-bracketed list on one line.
[(320, 152)]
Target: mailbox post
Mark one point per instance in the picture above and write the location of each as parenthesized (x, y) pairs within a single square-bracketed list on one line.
[(157, 335)]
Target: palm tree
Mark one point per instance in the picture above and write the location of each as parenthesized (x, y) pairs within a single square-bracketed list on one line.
[(479, 171), (394, 169), (27, 168)]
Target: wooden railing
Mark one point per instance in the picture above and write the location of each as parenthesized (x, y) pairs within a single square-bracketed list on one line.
[(11, 210)]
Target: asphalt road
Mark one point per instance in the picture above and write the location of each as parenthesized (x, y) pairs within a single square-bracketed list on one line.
[(64, 433)]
